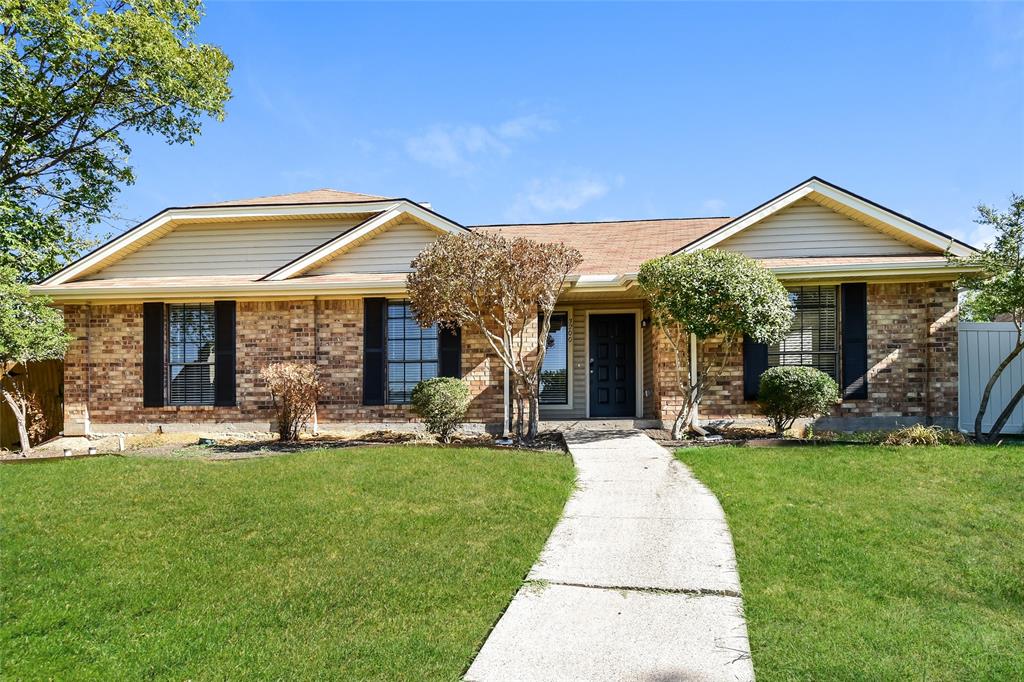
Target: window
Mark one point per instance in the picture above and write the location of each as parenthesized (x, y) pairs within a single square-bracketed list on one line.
[(554, 372), (190, 354), (412, 353), (812, 338)]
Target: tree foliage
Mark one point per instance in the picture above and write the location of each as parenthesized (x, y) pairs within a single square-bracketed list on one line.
[(500, 288), (996, 290), (30, 330), (789, 393), (712, 294), (76, 78)]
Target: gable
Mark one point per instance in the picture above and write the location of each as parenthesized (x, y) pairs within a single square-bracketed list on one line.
[(805, 228), (388, 250), (246, 248)]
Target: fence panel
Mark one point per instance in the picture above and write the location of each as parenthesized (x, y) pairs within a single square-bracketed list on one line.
[(983, 345)]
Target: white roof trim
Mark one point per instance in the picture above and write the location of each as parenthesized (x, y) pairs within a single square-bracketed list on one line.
[(166, 216), (326, 251), (817, 186)]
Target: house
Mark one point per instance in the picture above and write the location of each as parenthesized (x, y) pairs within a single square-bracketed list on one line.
[(173, 319)]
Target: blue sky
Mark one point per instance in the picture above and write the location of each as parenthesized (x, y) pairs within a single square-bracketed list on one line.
[(549, 112)]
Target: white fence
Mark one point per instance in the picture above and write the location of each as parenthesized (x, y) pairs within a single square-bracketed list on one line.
[(983, 345)]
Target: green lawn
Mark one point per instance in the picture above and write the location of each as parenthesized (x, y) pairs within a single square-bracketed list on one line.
[(872, 563), (371, 563)]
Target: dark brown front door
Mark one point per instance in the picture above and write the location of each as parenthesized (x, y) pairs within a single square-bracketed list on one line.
[(613, 365)]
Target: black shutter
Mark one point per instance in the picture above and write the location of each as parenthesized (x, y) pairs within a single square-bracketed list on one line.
[(224, 344), (375, 312), (855, 340), (449, 353), (153, 354), (755, 362)]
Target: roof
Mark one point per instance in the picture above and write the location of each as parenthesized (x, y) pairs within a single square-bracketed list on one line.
[(314, 196), (617, 246)]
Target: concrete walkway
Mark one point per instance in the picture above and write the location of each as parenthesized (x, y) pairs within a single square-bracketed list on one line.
[(637, 581)]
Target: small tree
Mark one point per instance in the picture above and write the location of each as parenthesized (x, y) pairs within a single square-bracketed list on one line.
[(997, 290), (500, 288), (788, 393), (30, 330), (712, 294), (442, 402), (295, 388)]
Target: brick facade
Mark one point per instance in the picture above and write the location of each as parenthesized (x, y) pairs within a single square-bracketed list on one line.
[(103, 368), (912, 354), (912, 360)]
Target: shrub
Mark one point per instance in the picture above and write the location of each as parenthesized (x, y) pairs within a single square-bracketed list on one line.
[(919, 434), (442, 402), (788, 393), (295, 387)]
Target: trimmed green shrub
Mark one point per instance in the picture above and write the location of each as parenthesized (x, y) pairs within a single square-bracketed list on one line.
[(442, 402), (788, 393)]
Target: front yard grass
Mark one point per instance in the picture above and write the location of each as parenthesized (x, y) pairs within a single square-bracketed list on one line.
[(877, 563), (361, 563)]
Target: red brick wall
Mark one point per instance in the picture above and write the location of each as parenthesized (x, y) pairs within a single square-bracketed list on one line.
[(103, 368), (912, 356)]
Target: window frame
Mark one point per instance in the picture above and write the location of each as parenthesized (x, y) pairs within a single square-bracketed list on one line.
[(404, 362), (211, 362), (836, 352), (567, 405)]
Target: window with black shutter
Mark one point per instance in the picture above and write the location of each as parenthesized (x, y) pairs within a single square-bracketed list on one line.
[(191, 354), (412, 352), (812, 339)]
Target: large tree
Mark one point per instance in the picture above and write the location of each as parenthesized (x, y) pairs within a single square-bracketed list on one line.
[(711, 294), (30, 330), (503, 289), (76, 78), (996, 290)]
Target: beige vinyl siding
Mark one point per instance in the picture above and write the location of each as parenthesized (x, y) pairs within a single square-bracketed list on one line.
[(809, 229), (578, 355), (391, 250), (256, 248)]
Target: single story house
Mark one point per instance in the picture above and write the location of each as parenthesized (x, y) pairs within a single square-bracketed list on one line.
[(173, 319)]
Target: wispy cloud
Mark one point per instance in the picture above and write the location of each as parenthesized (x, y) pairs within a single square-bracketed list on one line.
[(558, 196), (525, 127), (458, 149), (714, 205), (1004, 23)]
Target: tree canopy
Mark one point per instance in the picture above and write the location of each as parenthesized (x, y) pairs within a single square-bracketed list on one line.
[(76, 78), (710, 294), (502, 288)]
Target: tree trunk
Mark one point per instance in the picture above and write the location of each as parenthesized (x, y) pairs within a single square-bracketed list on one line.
[(1004, 416), (978, 436), (520, 412), (19, 407), (534, 426)]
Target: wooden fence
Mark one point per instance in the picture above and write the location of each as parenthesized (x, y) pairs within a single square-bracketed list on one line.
[(46, 380), (983, 345)]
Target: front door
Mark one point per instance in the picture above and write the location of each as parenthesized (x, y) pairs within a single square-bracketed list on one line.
[(613, 365)]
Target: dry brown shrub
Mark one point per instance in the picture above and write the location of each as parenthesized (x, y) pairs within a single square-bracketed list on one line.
[(295, 388)]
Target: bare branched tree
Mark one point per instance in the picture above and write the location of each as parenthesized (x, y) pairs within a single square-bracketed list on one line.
[(504, 289)]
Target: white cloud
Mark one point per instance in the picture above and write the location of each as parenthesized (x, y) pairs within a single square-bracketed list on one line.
[(525, 127), (714, 205), (453, 148), (557, 196), (459, 148)]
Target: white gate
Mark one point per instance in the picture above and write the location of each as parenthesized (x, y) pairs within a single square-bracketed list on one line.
[(983, 345)]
